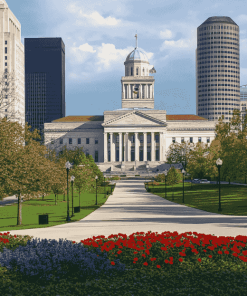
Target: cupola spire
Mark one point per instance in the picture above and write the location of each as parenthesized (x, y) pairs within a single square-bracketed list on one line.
[(136, 40)]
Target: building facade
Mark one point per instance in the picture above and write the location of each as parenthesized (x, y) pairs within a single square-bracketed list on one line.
[(11, 66), (217, 68), (135, 136), (243, 100), (45, 80)]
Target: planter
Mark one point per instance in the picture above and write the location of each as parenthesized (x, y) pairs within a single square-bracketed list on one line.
[(43, 219)]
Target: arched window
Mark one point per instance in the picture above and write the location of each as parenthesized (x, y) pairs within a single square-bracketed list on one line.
[(136, 71), (143, 72), (131, 71)]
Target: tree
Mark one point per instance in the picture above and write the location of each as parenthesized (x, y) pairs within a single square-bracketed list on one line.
[(174, 176), (9, 98), (179, 153)]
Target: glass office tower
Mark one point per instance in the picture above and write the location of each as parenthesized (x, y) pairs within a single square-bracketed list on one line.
[(44, 80)]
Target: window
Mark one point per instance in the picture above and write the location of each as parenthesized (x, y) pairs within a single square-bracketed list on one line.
[(61, 141), (5, 57), (70, 141), (6, 50), (149, 138), (136, 71), (5, 41), (191, 139), (96, 156), (87, 140), (5, 64), (131, 69), (182, 140), (96, 141), (199, 139), (157, 138), (87, 154), (141, 138), (243, 108), (208, 140), (79, 141), (173, 139)]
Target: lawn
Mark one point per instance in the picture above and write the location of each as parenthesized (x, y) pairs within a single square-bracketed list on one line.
[(206, 197), (57, 213)]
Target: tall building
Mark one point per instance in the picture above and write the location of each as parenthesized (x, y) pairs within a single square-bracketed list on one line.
[(12, 100), (217, 68), (243, 100), (45, 80)]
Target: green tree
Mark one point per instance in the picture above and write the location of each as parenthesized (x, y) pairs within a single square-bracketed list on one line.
[(179, 153), (174, 176)]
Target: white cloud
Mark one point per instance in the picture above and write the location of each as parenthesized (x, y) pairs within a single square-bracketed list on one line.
[(96, 19), (86, 47), (167, 34)]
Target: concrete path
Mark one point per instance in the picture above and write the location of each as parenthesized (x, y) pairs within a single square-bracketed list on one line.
[(131, 209)]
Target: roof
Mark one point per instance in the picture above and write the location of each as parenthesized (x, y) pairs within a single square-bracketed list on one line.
[(137, 54), (219, 19), (184, 117), (84, 118), (80, 118)]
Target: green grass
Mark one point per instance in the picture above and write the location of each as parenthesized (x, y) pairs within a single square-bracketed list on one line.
[(206, 197), (56, 213)]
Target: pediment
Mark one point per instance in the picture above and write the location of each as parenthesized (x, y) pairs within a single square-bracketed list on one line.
[(134, 118)]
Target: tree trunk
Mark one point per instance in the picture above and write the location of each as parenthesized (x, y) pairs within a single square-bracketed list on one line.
[(19, 217)]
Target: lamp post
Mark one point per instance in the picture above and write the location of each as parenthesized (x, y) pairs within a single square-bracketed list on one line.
[(96, 178), (183, 172), (72, 179), (68, 165), (219, 164), (104, 187), (165, 182)]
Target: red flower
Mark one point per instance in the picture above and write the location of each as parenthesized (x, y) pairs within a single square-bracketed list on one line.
[(145, 263), (199, 259), (112, 263), (158, 266), (220, 252), (143, 255), (147, 251), (180, 259), (210, 256), (171, 258), (135, 253), (205, 251), (166, 261), (135, 259), (182, 254), (170, 262), (119, 252), (152, 259), (226, 252)]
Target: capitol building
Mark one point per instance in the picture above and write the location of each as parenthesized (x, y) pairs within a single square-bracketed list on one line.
[(135, 137)]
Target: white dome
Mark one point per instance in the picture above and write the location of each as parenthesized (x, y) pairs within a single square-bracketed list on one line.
[(137, 54)]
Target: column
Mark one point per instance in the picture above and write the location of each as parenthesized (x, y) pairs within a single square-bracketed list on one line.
[(152, 90), (160, 146), (120, 147), (141, 91), (129, 92), (105, 148), (144, 146), (125, 146), (146, 90), (123, 92), (128, 149), (136, 147), (111, 146), (152, 147)]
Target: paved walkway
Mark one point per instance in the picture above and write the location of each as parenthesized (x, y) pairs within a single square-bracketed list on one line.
[(131, 209)]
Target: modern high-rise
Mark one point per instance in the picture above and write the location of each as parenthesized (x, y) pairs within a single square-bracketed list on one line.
[(45, 80), (243, 100), (217, 68), (12, 99)]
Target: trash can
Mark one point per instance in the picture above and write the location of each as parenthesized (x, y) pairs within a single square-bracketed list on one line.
[(43, 219), (76, 209)]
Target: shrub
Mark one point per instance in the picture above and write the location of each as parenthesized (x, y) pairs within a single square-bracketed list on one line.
[(160, 178), (114, 178), (40, 258)]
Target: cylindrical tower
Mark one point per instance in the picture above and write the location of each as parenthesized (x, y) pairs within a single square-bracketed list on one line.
[(217, 68)]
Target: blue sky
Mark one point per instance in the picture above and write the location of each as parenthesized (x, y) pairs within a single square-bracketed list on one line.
[(98, 36)]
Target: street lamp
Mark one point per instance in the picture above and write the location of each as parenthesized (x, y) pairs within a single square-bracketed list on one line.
[(219, 164), (165, 182), (183, 172), (68, 165), (104, 187), (72, 179), (96, 178), (82, 166)]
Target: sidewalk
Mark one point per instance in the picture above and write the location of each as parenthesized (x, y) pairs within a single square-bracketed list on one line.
[(131, 209)]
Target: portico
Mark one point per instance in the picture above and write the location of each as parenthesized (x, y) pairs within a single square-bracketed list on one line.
[(133, 146)]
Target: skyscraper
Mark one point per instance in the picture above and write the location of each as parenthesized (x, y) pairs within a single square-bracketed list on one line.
[(45, 80), (217, 68), (12, 98)]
